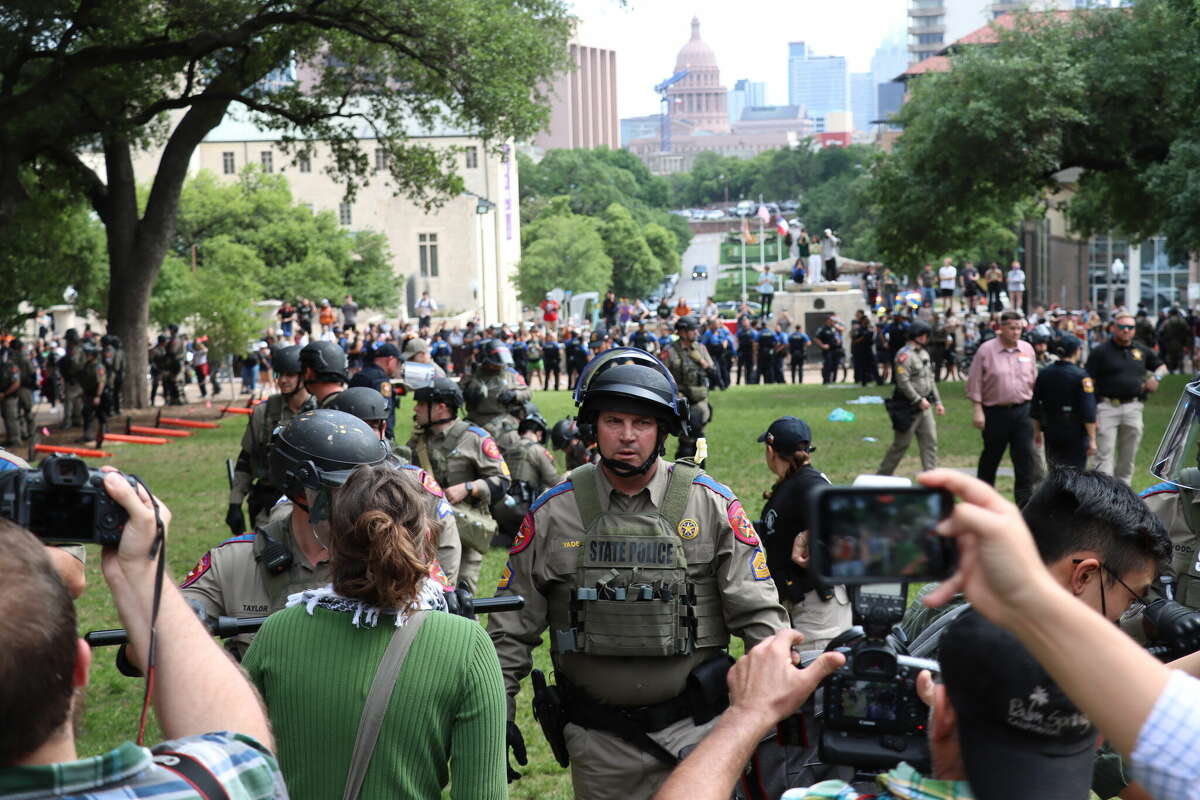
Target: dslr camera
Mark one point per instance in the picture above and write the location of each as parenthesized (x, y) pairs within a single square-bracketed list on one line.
[(876, 541), (63, 501)]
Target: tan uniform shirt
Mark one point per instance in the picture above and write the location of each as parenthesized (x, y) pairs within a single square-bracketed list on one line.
[(252, 460), (688, 364), (914, 374), (461, 452), (491, 384), (546, 553)]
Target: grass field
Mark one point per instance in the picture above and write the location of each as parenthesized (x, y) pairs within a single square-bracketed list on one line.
[(189, 475)]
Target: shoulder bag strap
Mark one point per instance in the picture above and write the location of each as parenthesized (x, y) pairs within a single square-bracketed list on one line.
[(587, 493), (377, 702), (676, 496)]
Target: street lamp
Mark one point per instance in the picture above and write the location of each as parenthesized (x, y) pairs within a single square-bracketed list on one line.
[(1117, 271), (483, 206)]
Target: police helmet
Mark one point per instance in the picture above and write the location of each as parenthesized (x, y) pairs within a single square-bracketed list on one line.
[(533, 422), (1039, 337), (563, 432), (440, 390), (1178, 458), (326, 359), (494, 353), (530, 409), (319, 449), (687, 323), (361, 401), (286, 360), (634, 388), (617, 355), (918, 328)]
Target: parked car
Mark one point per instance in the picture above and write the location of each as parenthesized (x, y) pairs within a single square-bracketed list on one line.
[(715, 213), (700, 272), (746, 208)]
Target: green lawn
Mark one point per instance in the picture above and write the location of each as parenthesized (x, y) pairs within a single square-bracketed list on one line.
[(189, 475)]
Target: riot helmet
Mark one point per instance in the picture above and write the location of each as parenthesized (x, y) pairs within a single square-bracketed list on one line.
[(326, 359), (361, 401), (687, 323), (533, 422), (319, 449), (441, 390), (494, 353), (1178, 458), (918, 328), (563, 432), (286, 360)]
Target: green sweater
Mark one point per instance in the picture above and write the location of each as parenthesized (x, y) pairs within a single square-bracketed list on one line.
[(445, 723)]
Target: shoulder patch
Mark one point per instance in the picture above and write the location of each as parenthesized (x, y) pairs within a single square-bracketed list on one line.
[(202, 566), (491, 449), (505, 577), (439, 575), (902, 356), (478, 431), (1088, 386), (720, 488), (743, 529), (758, 565), (1159, 488), (549, 456), (554, 491), (444, 509), (385, 388), (524, 535)]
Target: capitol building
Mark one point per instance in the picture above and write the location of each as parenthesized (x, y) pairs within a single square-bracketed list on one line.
[(699, 115)]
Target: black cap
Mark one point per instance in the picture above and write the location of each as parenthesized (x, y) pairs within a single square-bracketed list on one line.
[(385, 350), (1020, 735), (1068, 345), (786, 434)]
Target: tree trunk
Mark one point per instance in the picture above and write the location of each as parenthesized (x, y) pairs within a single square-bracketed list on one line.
[(137, 247)]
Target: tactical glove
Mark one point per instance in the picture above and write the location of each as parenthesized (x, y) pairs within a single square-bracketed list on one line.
[(235, 519), (516, 744), (507, 397)]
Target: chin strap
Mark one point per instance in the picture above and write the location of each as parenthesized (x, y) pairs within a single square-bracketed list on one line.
[(623, 469)]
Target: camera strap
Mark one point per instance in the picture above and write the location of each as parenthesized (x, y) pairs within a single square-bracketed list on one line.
[(193, 772)]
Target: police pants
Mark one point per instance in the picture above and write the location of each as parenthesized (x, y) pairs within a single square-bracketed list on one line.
[(925, 428), (552, 368), (797, 366), (820, 620), (1068, 449), (717, 354), (831, 361), (96, 411), (604, 766), (25, 411), (746, 368), (469, 568), (1009, 427), (72, 405), (766, 368), (1118, 433), (11, 409)]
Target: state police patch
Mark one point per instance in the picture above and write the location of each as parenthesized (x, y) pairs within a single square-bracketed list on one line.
[(505, 577), (202, 566), (491, 449), (688, 529), (524, 535), (758, 565), (743, 529)]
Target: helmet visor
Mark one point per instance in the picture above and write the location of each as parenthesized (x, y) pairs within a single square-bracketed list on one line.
[(1178, 458)]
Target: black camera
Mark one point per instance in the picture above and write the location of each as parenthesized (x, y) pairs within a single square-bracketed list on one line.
[(1174, 629), (63, 501)]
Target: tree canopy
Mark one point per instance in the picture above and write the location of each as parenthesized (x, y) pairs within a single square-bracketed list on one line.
[(117, 76), (1104, 99), (565, 251)]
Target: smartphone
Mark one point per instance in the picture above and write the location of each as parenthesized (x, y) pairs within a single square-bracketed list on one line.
[(866, 534)]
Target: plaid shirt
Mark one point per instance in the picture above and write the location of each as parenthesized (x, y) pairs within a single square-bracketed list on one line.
[(902, 783), (1164, 757), (242, 765)]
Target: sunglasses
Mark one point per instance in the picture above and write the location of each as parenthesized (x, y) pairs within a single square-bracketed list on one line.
[(1125, 327)]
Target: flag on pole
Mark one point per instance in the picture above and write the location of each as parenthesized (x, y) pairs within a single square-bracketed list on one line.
[(747, 236), (763, 214), (781, 226)]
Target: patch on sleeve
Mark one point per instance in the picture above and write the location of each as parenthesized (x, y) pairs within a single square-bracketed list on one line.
[(902, 356), (202, 566), (505, 577), (431, 485), (524, 535), (549, 456), (1088, 386), (438, 574), (385, 388), (758, 565), (444, 509), (491, 449), (743, 529)]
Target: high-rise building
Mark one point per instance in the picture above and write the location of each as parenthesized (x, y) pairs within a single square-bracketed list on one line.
[(746, 94), (583, 106), (863, 100), (819, 83), (933, 24)]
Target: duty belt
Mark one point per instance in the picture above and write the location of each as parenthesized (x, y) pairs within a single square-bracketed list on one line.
[(1120, 401), (590, 713)]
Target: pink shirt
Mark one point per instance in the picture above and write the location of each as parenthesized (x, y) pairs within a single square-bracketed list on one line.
[(1001, 376)]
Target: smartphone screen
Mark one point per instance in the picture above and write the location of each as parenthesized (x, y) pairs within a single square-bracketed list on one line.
[(872, 535)]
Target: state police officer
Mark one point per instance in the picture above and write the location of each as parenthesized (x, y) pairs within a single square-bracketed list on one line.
[(251, 480), (1064, 408), (324, 370), (691, 369), (914, 402), (641, 569), (383, 365)]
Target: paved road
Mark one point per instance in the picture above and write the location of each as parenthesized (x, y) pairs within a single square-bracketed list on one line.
[(704, 249)]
